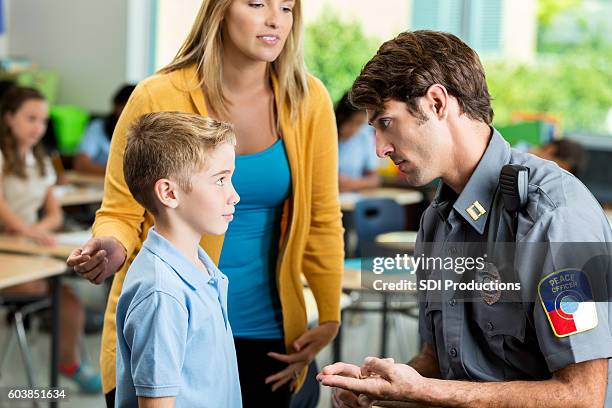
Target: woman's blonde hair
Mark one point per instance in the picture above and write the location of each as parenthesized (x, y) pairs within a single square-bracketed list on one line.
[(204, 48)]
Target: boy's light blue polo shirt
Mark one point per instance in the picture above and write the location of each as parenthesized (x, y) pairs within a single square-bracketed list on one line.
[(173, 335)]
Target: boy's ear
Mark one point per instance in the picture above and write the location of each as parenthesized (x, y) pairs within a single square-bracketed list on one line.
[(166, 192)]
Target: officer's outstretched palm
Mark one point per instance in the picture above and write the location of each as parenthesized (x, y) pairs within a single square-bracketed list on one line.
[(380, 379)]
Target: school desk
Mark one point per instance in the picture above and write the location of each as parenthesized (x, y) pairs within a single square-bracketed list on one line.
[(401, 196), (72, 194), (23, 245), (77, 178), (17, 269), (402, 241)]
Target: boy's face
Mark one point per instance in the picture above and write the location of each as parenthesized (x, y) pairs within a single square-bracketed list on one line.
[(209, 206)]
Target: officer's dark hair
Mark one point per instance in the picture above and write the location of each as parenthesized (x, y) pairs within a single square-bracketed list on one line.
[(405, 67)]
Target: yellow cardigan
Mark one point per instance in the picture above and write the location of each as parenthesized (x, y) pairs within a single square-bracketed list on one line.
[(311, 227)]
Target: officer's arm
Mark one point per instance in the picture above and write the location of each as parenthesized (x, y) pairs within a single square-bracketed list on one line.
[(426, 363), (577, 385)]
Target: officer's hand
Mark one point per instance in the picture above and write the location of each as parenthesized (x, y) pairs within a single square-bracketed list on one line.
[(98, 259), (380, 379), (342, 398)]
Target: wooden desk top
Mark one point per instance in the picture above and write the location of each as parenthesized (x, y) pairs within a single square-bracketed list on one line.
[(66, 243), (17, 269), (71, 194), (74, 177), (401, 196), (399, 240)]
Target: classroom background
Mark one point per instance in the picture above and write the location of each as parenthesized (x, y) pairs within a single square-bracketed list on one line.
[(548, 64)]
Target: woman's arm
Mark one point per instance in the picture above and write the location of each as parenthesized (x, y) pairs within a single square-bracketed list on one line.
[(8, 218), (120, 216), (85, 164), (12, 223), (53, 216), (369, 180), (118, 223), (324, 252)]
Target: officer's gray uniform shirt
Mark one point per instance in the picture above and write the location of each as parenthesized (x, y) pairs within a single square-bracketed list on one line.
[(510, 340)]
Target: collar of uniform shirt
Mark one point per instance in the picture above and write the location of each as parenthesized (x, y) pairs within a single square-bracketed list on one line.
[(483, 182)]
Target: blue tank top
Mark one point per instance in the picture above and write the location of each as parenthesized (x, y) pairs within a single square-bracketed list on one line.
[(250, 249)]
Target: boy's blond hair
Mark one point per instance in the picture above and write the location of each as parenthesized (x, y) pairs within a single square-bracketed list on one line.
[(169, 145)]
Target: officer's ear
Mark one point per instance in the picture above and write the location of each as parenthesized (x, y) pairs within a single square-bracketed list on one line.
[(436, 100)]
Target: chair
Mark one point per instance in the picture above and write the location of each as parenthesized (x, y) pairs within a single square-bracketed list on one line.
[(374, 216), (69, 122), (19, 307)]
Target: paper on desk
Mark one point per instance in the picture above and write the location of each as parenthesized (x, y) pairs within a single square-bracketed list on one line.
[(350, 197), (60, 191), (73, 238)]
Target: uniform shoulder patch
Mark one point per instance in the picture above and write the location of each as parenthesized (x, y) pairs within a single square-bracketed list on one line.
[(567, 299)]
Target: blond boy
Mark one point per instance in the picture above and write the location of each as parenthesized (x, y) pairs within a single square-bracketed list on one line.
[(174, 341)]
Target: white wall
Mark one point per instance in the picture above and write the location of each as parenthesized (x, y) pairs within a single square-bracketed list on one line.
[(382, 19), (84, 41), (173, 25), (519, 31)]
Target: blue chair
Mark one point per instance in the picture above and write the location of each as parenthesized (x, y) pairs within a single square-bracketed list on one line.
[(374, 216)]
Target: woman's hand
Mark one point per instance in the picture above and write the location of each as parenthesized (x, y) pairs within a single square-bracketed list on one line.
[(40, 235), (307, 346), (98, 259)]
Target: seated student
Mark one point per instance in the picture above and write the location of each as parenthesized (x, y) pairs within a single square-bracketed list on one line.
[(356, 150), (174, 341), (93, 152), (568, 154), (26, 180)]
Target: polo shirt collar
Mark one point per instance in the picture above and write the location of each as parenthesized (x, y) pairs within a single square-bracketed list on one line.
[(183, 267), (475, 201)]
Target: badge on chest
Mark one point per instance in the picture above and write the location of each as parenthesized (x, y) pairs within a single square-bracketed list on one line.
[(490, 293)]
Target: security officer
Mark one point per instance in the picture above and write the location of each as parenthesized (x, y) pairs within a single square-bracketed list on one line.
[(548, 344)]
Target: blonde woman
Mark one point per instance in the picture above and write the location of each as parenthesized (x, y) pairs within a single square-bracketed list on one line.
[(242, 62)]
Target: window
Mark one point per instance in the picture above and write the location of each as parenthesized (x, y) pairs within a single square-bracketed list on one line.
[(477, 22)]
